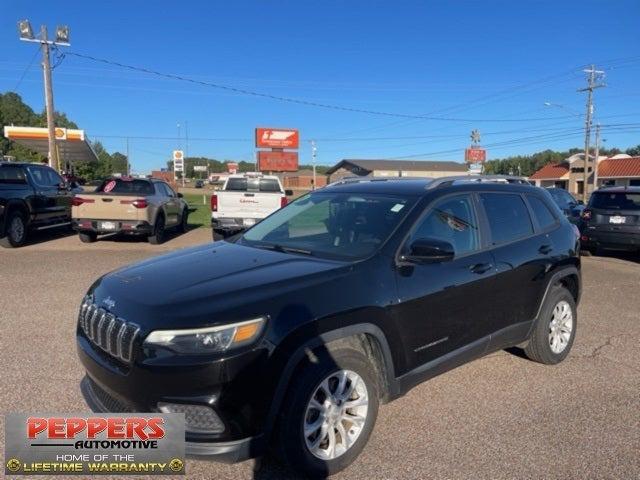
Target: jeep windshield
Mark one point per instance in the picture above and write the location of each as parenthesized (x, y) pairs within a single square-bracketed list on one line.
[(333, 225)]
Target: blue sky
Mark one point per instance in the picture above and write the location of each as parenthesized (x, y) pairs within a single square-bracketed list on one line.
[(491, 64)]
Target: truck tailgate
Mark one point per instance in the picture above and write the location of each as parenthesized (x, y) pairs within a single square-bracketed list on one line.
[(247, 204), (108, 207)]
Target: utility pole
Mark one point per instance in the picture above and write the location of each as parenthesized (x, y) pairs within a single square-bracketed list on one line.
[(596, 155), (314, 149), (62, 38), (592, 76), (128, 164)]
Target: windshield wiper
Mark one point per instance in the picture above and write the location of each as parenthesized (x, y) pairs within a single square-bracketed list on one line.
[(283, 249)]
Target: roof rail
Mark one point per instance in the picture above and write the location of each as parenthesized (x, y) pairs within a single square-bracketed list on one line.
[(370, 178), (444, 181)]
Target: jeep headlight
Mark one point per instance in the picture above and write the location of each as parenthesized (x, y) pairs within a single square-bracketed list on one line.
[(209, 339)]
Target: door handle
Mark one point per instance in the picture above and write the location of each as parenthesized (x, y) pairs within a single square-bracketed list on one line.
[(544, 249), (481, 268)]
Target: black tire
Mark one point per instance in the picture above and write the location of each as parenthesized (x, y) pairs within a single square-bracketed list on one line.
[(157, 237), (183, 227), (290, 445), (539, 347), (87, 237), (15, 234)]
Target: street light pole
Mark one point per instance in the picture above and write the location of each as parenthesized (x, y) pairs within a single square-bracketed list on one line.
[(62, 38), (48, 98), (314, 149)]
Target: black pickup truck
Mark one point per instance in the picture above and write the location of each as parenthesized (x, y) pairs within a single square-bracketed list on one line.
[(32, 197)]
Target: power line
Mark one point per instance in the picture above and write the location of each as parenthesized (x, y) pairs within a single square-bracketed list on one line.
[(243, 91), (24, 73)]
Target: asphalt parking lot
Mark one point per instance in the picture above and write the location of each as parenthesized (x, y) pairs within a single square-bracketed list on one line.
[(502, 416)]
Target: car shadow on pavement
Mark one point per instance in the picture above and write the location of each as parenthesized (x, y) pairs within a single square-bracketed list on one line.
[(42, 236), (170, 235), (627, 256)]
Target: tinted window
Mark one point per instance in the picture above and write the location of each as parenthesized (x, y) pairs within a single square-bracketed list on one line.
[(340, 225), (269, 185), (452, 220), (615, 200), (130, 187), (508, 216), (45, 177), (237, 184), (542, 213), (13, 175), (563, 199), (253, 185)]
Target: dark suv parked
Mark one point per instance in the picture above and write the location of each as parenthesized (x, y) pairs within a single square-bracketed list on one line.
[(32, 197), (612, 220), (288, 337)]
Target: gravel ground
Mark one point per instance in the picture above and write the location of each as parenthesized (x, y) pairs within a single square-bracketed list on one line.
[(498, 417)]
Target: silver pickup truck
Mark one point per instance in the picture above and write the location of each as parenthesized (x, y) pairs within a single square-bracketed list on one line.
[(244, 200)]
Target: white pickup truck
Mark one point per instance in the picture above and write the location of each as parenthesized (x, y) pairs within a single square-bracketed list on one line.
[(244, 200)]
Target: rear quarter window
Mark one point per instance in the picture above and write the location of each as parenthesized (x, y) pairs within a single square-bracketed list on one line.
[(541, 212), (508, 217)]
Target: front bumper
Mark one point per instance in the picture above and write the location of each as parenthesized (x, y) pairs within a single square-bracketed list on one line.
[(234, 387), (100, 401), (133, 227), (591, 237)]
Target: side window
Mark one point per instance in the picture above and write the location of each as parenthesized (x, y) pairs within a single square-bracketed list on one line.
[(542, 213), (453, 220), (45, 177), (508, 216), (168, 190), (13, 175)]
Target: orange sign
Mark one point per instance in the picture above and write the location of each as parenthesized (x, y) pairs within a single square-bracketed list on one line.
[(278, 161), (178, 155), (232, 167), (475, 155), (277, 138), (61, 133)]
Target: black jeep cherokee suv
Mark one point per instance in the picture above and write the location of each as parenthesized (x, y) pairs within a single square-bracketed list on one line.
[(287, 338)]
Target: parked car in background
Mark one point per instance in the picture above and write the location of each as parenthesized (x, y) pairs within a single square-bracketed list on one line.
[(611, 220), (199, 184), (244, 200), (287, 338), (571, 207), (32, 197), (131, 206)]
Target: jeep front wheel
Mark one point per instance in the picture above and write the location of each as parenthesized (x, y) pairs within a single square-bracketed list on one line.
[(329, 413)]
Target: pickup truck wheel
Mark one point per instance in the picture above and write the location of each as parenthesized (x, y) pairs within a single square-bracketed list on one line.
[(16, 231), (87, 237), (328, 414), (555, 330), (158, 232)]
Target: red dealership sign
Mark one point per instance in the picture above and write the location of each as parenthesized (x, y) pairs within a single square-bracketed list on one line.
[(277, 161), (475, 155), (277, 138)]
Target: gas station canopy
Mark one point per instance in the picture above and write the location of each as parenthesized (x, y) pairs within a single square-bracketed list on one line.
[(72, 145)]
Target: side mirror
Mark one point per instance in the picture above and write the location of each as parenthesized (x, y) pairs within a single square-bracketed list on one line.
[(288, 193), (580, 202), (429, 250), (180, 195)]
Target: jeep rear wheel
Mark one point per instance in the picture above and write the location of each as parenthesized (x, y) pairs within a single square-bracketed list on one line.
[(16, 231), (329, 413), (555, 329)]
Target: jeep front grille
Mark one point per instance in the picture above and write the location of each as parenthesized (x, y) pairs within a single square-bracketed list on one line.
[(112, 334)]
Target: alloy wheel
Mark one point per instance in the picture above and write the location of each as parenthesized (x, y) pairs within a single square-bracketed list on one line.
[(560, 327), (336, 414)]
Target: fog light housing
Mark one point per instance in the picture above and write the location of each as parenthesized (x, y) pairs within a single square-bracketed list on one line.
[(197, 418)]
